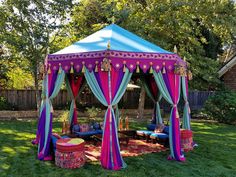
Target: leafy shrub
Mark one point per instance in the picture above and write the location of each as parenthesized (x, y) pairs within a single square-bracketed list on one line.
[(4, 105), (222, 107), (64, 117), (93, 112)]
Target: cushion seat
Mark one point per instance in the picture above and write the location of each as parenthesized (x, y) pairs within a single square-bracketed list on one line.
[(88, 133), (159, 136), (144, 132), (86, 130)]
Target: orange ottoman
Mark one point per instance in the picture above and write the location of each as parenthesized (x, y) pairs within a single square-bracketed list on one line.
[(186, 140), (70, 153)]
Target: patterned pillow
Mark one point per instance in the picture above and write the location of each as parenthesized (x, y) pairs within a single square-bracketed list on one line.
[(84, 127), (101, 125), (159, 128), (96, 126), (76, 128)]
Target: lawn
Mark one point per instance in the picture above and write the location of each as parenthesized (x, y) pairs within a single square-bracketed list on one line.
[(215, 155)]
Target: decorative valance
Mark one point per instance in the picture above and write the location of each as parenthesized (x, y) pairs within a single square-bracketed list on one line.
[(118, 59)]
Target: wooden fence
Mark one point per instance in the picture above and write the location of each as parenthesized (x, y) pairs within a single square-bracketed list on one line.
[(26, 100)]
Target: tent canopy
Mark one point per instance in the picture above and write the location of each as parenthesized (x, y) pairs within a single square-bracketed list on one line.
[(107, 59), (119, 46), (119, 38)]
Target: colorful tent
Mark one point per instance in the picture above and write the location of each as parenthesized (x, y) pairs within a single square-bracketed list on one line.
[(106, 60)]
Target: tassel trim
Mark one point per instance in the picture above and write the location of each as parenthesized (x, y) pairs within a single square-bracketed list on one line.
[(83, 68), (137, 68), (71, 68), (96, 67), (49, 69), (164, 68)]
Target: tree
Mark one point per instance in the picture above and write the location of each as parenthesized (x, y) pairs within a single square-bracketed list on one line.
[(198, 29), (26, 28)]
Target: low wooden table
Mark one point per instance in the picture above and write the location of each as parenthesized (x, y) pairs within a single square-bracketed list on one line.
[(122, 138), (129, 133)]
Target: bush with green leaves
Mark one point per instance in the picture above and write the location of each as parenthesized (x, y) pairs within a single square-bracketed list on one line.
[(4, 105), (93, 111), (64, 117), (222, 107)]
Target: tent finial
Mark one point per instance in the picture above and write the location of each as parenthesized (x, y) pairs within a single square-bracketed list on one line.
[(108, 45), (175, 49), (113, 19)]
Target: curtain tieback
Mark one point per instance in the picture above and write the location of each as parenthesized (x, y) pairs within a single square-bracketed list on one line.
[(174, 105), (109, 106), (50, 103)]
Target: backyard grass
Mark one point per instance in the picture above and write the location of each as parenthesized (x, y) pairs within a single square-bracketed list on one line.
[(215, 155)]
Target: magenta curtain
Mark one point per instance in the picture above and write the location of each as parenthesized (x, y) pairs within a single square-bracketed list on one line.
[(172, 82), (75, 83), (151, 85), (109, 87), (110, 152)]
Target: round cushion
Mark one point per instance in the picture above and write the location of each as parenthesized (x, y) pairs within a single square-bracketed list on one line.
[(185, 134), (70, 145)]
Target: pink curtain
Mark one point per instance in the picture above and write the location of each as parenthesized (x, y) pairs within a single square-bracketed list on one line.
[(172, 82), (76, 83), (110, 153)]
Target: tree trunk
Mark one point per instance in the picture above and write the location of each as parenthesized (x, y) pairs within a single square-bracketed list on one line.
[(36, 83), (141, 103)]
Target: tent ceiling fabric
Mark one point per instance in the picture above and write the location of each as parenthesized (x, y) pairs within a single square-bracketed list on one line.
[(119, 38)]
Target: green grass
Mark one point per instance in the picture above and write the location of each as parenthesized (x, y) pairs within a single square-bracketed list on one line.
[(215, 155)]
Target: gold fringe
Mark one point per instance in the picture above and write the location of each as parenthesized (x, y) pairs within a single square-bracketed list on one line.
[(96, 68), (151, 70), (71, 69), (164, 70), (137, 69), (49, 69), (83, 69), (124, 68), (59, 71)]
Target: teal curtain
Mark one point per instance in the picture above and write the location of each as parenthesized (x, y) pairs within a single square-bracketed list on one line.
[(117, 113), (156, 101), (110, 152), (158, 110), (43, 96), (169, 85), (186, 112), (164, 91), (93, 84), (49, 108), (72, 105)]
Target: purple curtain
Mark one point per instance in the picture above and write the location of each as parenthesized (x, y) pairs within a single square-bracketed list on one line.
[(40, 136)]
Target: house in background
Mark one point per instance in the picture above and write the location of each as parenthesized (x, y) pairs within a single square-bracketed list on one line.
[(228, 73)]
